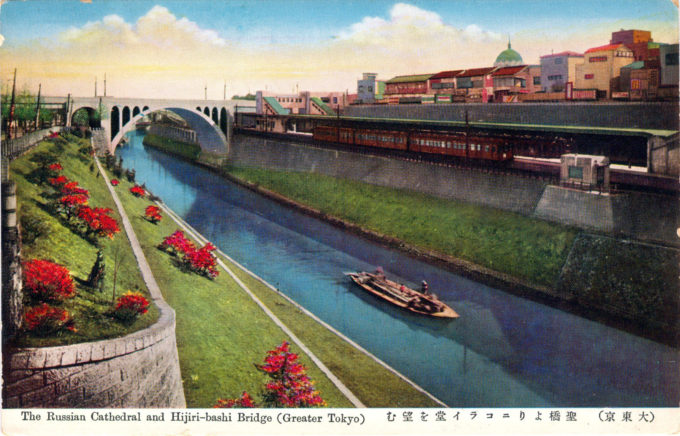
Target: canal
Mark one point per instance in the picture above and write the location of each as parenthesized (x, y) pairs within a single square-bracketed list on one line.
[(503, 351)]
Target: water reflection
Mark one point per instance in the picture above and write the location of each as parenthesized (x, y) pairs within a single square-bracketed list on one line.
[(503, 351)]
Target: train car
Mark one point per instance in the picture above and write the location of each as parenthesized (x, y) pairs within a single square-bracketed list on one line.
[(326, 133), (489, 148), (438, 143), (449, 144), (381, 138)]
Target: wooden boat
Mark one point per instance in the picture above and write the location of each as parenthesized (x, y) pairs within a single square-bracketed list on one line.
[(402, 296)]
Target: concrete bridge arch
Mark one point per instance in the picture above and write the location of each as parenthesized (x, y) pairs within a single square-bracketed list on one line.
[(209, 134)]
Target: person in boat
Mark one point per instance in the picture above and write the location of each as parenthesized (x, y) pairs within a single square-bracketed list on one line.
[(424, 287), (379, 273)]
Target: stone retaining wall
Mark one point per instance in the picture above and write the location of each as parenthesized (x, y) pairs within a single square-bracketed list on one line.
[(137, 370)]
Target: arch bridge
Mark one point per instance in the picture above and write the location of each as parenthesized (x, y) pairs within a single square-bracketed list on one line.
[(212, 120)]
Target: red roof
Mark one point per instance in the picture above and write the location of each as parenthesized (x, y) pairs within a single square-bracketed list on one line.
[(446, 74), (564, 53), (476, 72), (508, 71), (608, 47)]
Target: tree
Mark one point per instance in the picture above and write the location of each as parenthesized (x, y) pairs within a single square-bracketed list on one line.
[(81, 118)]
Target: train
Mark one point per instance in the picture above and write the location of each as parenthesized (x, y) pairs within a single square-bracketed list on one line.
[(455, 144)]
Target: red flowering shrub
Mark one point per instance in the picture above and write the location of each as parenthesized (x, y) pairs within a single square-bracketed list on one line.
[(46, 280), (73, 199), (153, 214), (130, 305), (45, 319), (289, 385), (202, 260), (73, 188), (114, 182), (177, 243), (98, 221), (55, 167), (58, 181), (138, 191), (243, 402)]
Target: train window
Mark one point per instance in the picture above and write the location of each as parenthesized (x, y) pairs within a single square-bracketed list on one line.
[(486, 148)]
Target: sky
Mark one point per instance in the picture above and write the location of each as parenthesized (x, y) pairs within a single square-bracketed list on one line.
[(176, 48)]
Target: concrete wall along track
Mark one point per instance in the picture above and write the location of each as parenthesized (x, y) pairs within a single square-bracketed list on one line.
[(644, 216), (650, 115)]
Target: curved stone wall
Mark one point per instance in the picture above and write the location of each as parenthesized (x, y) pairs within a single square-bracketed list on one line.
[(137, 370)]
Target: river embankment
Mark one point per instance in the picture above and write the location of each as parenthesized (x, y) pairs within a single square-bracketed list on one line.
[(588, 273)]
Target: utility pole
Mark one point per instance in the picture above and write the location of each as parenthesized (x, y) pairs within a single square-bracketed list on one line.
[(225, 91), (12, 106), (37, 108), (95, 86), (104, 84), (206, 92)]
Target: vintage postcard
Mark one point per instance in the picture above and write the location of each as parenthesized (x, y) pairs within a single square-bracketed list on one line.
[(340, 217)]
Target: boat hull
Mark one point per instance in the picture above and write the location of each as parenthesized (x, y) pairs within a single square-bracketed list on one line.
[(388, 291)]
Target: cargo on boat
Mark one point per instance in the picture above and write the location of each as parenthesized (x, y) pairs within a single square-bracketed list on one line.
[(402, 296)]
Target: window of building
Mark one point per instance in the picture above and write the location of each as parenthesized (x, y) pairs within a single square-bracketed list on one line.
[(672, 59), (370, 89), (575, 172), (537, 80), (589, 76), (361, 89), (335, 100), (555, 77), (558, 61), (598, 59)]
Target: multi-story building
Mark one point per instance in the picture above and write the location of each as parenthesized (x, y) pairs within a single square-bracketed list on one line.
[(636, 40), (477, 83), (509, 82), (668, 59), (443, 86), (601, 65), (406, 89), (558, 69), (668, 63), (369, 89)]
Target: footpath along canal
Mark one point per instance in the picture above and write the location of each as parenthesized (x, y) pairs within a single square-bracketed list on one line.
[(503, 351)]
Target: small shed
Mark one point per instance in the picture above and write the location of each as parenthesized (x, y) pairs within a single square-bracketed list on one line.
[(584, 171)]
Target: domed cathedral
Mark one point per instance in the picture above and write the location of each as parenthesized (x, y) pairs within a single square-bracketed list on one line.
[(508, 58)]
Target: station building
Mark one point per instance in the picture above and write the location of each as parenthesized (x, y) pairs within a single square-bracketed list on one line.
[(302, 103)]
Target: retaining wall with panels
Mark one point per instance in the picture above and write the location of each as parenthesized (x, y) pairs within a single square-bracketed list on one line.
[(650, 115), (137, 370), (644, 216), (517, 194)]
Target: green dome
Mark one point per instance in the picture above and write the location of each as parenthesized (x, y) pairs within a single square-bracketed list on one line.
[(508, 58)]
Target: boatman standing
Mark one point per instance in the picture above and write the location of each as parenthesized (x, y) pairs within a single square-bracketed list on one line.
[(424, 288)]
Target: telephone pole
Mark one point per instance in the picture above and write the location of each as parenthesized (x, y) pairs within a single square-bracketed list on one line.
[(104, 84), (12, 106), (37, 109), (95, 86)]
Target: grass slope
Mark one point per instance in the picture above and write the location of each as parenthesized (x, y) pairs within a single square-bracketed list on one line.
[(47, 237), (184, 149), (221, 332), (507, 242)]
